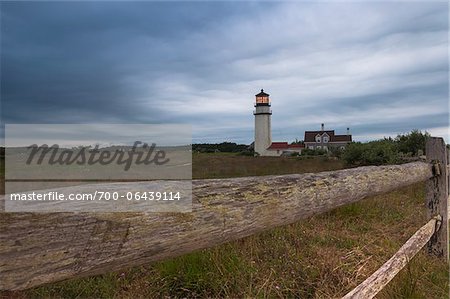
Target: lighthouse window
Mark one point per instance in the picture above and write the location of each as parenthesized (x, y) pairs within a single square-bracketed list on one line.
[(262, 100)]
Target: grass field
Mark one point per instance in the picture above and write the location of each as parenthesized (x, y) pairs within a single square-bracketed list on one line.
[(321, 257), (209, 166)]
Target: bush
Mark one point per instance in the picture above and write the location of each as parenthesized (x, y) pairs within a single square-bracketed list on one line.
[(412, 143), (313, 152), (372, 153), (386, 151), (335, 152), (247, 152)]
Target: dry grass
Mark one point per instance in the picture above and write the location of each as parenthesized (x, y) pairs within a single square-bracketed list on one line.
[(208, 166), (321, 257)]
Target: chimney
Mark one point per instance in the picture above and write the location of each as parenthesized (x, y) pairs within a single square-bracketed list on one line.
[(323, 127), (348, 131)]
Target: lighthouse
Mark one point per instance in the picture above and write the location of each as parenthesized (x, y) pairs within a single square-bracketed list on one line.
[(263, 113)]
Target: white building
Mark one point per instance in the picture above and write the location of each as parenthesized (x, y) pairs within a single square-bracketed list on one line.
[(326, 139), (263, 134)]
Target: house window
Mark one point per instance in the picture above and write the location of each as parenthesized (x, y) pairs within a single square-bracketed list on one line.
[(318, 138), (318, 147), (325, 139)]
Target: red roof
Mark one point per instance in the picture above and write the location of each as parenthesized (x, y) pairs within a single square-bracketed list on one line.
[(284, 145), (296, 145)]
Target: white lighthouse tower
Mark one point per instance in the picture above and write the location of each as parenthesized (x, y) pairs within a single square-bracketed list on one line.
[(263, 135)]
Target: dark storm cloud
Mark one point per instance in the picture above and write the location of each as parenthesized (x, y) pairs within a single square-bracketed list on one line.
[(65, 62), (379, 68)]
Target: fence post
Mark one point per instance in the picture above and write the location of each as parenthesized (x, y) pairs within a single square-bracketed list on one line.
[(437, 196)]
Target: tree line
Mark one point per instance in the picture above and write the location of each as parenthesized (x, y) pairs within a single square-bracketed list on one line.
[(224, 147)]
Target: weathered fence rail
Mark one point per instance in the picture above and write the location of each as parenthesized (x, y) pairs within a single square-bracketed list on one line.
[(378, 280), (46, 247)]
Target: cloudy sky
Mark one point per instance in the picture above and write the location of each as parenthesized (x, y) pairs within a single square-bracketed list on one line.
[(379, 68)]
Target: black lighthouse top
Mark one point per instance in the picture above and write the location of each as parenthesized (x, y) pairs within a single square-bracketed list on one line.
[(262, 94), (262, 99)]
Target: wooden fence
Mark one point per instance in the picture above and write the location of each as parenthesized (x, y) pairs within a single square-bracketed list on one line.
[(434, 233), (38, 248)]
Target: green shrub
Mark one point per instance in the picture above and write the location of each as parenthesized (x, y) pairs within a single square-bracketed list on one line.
[(313, 152), (247, 152), (387, 150), (412, 143), (335, 152), (372, 153)]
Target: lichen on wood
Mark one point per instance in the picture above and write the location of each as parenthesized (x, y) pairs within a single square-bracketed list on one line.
[(38, 248)]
